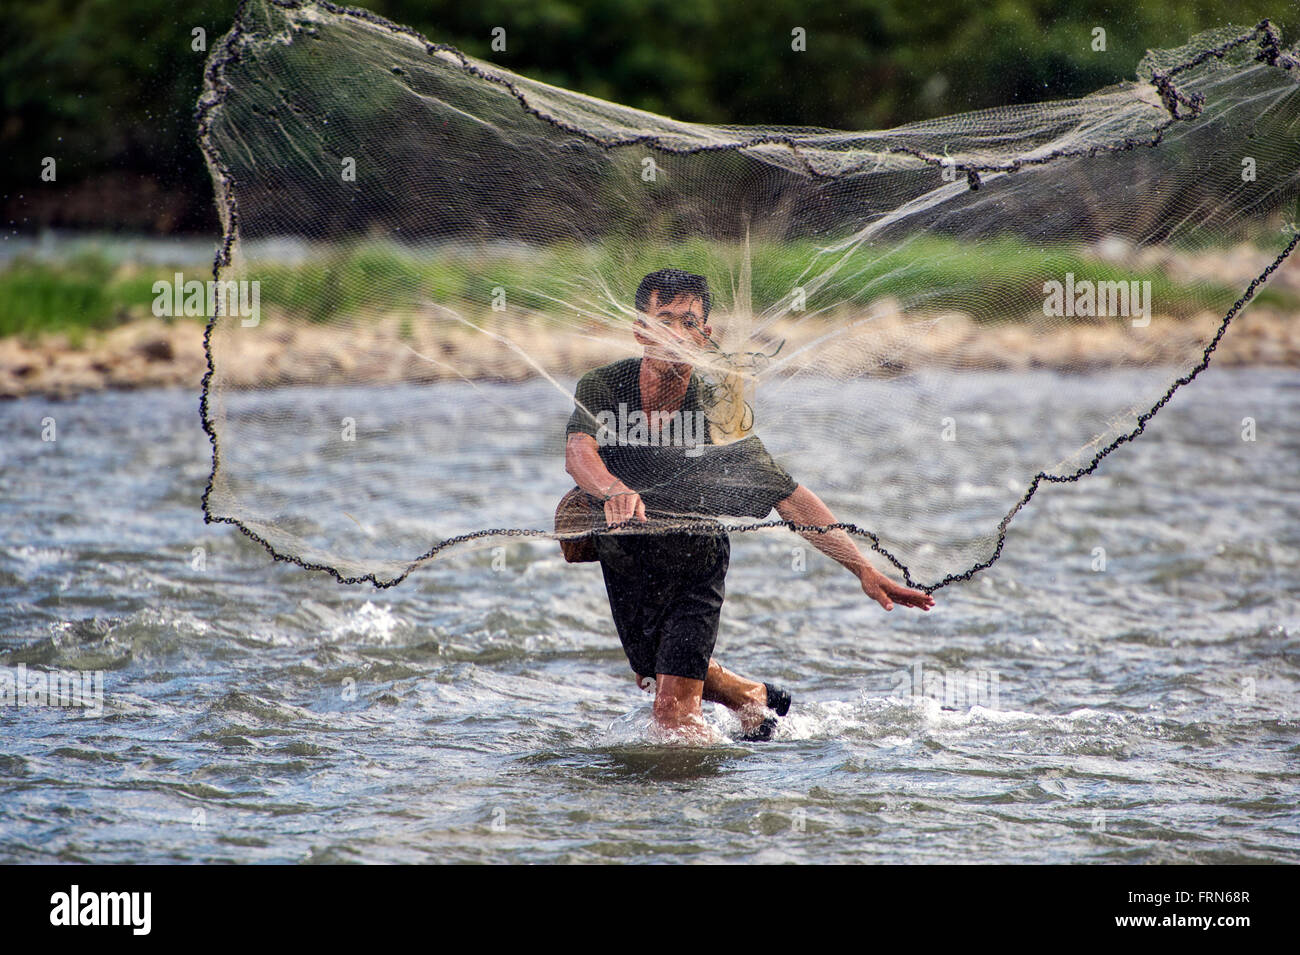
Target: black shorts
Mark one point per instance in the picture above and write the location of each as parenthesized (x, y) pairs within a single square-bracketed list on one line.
[(666, 592)]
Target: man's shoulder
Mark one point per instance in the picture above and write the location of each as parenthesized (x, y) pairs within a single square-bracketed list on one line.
[(614, 371)]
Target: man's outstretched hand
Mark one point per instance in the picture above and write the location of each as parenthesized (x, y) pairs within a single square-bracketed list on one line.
[(886, 593)]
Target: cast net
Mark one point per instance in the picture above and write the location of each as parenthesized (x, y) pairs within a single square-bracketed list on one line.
[(442, 248)]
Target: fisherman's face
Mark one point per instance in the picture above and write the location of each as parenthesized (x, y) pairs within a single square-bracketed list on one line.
[(673, 331)]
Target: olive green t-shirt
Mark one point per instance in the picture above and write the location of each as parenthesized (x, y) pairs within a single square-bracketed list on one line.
[(670, 460)]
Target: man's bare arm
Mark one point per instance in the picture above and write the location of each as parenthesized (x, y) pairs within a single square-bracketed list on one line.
[(803, 507), (582, 461)]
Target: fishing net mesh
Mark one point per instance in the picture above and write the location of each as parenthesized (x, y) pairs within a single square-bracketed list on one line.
[(445, 247)]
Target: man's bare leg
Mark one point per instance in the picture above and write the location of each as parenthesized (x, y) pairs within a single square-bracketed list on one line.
[(677, 707), (747, 698), (721, 686)]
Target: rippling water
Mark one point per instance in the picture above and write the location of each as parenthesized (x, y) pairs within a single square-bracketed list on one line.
[(1149, 712)]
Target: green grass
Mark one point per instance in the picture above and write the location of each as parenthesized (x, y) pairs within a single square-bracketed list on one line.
[(993, 280), (38, 297)]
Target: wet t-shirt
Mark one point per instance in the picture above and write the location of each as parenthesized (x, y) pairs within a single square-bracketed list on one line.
[(669, 459)]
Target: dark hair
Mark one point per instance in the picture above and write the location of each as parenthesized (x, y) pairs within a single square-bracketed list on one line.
[(671, 284)]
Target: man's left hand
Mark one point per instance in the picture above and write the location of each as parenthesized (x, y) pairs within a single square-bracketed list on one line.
[(885, 592)]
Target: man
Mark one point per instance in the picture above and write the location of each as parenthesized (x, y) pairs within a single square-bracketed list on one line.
[(666, 587)]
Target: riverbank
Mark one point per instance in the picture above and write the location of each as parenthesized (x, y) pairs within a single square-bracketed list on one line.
[(152, 352)]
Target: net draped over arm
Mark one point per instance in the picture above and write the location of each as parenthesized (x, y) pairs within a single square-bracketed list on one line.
[(740, 479)]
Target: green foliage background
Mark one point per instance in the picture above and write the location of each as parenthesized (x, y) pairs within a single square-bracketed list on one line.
[(108, 86)]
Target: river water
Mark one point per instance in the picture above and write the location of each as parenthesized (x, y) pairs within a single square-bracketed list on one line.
[(1047, 711)]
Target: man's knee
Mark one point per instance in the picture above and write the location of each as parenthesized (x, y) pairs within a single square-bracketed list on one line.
[(646, 683)]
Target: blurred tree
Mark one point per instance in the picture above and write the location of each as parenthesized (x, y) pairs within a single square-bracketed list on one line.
[(107, 87)]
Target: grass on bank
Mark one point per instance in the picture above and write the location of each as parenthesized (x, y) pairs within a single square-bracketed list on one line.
[(993, 280)]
